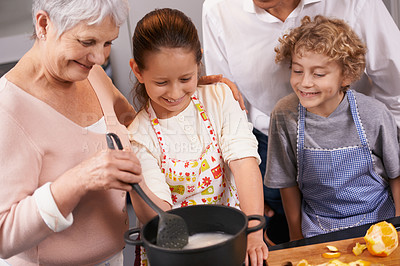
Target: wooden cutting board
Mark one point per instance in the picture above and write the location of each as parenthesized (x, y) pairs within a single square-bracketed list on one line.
[(313, 254)]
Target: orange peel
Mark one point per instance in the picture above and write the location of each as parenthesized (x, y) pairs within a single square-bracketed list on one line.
[(303, 262), (359, 248), (331, 255), (336, 263), (360, 263), (332, 248)]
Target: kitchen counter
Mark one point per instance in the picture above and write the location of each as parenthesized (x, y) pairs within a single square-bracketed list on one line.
[(353, 232), (313, 254), (313, 247)]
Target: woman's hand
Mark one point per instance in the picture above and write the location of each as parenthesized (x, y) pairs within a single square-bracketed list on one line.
[(257, 250), (205, 80), (108, 169)]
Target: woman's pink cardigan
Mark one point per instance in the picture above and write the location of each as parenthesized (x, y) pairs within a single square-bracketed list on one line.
[(38, 144)]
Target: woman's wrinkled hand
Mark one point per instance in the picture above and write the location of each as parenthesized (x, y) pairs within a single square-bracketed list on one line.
[(107, 169), (205, 80), (110, 169)]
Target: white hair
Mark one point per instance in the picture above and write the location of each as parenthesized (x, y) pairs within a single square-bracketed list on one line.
[(66, 14)]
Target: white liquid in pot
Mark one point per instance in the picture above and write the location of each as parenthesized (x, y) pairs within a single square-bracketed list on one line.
[(201, 240)]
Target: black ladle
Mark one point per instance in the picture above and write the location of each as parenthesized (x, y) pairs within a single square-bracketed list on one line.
[(172, 230)]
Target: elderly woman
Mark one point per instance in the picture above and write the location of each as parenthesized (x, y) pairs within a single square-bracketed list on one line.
[(62, 192)]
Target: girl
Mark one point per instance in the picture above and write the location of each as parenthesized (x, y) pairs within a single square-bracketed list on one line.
[(333, 152), (188, 138)]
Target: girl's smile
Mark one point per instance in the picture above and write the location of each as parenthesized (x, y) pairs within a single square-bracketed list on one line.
[(170, 78), (177, 101)]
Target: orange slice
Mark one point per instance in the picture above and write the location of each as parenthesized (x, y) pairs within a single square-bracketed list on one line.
[(381, 239)]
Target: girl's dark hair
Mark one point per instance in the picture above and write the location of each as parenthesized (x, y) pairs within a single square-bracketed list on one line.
[(161, 28)]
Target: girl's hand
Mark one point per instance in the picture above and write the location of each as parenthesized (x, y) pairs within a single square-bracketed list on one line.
[(257, 250), (205, 80)]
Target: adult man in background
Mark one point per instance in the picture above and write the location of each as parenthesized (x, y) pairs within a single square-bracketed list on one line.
[(239, 41)]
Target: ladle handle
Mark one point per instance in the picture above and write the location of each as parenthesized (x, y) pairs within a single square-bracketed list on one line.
[(143, 195), (111, 137)]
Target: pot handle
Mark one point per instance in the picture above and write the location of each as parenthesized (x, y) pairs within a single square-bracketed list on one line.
[(257, 227), (129, 240)]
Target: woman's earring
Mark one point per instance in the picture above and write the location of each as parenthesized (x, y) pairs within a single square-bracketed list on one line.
[(43, 37)]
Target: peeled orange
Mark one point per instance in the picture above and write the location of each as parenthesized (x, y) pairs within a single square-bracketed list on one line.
[(381, 239)]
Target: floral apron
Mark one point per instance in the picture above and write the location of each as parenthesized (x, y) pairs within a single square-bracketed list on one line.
[(199, 181), (340, 187)]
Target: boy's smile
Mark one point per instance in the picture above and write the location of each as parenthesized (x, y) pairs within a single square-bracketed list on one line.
[(317, 82)]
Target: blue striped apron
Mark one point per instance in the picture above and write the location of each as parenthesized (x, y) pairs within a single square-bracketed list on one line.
[(340, 187)]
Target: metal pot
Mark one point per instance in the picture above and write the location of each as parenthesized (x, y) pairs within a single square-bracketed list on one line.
[(201, 219)]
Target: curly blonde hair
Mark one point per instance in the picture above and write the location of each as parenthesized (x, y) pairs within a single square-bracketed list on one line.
[(331, 37)]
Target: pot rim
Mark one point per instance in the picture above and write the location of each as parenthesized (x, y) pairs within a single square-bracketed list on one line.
[(200, 249)]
